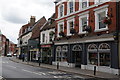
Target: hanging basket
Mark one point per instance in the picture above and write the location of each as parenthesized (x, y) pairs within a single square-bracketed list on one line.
[(107, 21), (87, 28), (72, 31), (62, 34), (52, 33)]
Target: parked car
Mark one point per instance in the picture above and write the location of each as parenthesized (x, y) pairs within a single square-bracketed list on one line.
[(14, 54), (9, 55)]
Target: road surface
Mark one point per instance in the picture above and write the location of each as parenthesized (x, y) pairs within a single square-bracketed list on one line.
[(12, 70)]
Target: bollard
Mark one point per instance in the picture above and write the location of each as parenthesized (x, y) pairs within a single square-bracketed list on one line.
[(57, 65), (94, 70)]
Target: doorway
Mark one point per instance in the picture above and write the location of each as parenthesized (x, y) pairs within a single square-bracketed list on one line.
[(77, 57)]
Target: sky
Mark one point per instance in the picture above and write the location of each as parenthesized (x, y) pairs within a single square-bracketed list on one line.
[(15, 13)]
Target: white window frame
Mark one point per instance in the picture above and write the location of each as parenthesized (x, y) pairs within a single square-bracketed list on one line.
[(68, 26), (68, 7), (42, 38), (96, 20), (80, 3), (61, 23), (80, 23), (59, 10), (99, 2)]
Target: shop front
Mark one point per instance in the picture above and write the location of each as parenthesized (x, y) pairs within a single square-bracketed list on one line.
[(61, 55), (46, 54), (103, 56), (34, 53)]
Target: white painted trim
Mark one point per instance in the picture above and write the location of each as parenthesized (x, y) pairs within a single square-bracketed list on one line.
[(80, 23), (80, 3), (87, 41), (68, 27), (98, 11), (102, 7), (68, 8), (58, 27), (89, 7), (81, 14), (59, 10)]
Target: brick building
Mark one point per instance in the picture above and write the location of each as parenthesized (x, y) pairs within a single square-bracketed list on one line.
[(85, 35)]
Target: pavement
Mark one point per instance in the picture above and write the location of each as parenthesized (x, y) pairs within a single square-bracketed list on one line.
[(78, 71)]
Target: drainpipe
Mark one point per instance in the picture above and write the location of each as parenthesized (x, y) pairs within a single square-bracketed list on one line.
[(117, 31)]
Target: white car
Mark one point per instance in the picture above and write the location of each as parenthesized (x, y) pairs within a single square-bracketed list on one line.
[(9, 55)]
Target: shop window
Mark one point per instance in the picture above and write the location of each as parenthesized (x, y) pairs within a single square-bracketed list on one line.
[(104, 59), (104, 52), (64, 53), (58, 53), (92, 54), (93, 58)]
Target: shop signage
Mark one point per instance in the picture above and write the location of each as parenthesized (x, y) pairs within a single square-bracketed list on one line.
[(45, 45)]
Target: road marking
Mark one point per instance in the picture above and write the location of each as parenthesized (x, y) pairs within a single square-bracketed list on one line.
[(40, 73), (11, 66)]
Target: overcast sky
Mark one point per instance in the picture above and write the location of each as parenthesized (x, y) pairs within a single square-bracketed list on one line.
[(15, 13)]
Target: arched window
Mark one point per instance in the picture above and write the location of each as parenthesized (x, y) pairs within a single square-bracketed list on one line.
[(92, 54), (65, 48), (92, 48), (104, 46), (58, 49), (77, 48), (104, 54)]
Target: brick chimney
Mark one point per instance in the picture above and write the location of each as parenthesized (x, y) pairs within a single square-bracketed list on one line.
[(32, 20)]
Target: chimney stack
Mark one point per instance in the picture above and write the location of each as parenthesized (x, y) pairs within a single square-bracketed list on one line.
[(32, 20)]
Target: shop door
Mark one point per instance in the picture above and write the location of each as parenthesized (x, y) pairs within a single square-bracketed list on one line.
[(77, 59)]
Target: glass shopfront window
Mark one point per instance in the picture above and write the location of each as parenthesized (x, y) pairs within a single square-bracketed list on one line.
[(99, 56), (104, 59), (93, 58), (61, 53)]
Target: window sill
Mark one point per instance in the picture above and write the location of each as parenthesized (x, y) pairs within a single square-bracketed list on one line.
[(100, 30), (82, 32)]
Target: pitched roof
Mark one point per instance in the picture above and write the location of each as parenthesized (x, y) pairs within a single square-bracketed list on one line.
[(49, 25), (36, 27)]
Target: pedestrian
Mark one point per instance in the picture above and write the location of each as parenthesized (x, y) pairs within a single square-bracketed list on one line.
[(23, 57), (39, 59)]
